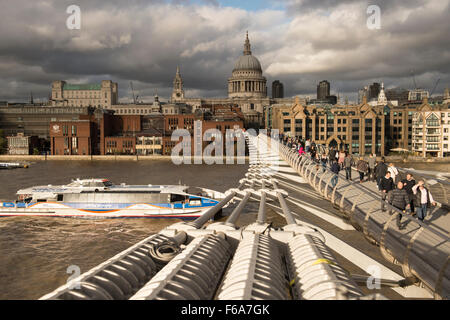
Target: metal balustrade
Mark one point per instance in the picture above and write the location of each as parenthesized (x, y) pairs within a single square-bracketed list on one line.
[(422, 251)]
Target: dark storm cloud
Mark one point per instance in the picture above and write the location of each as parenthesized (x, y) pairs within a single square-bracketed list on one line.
[(143, 41)]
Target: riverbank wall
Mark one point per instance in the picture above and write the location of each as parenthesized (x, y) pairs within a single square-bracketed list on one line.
[(28, 158)]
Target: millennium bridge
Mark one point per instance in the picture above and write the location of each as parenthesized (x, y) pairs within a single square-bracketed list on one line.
[(334, 243)]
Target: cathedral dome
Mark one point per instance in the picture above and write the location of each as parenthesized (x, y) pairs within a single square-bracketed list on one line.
[(247, 62), (247, 79)]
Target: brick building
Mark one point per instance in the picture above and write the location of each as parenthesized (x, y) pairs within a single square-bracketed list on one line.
[(75, 137), (120, 145), (118, 133)]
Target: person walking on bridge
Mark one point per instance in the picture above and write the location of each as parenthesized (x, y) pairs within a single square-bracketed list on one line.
[(341, 158), (386, 186), (372, 163), (348, 163), (307, 145), (301, 151), (380, 171), (362, 167), (422, 200), (335, 169), (408, 184), (394, 172), (323, 161), (332, 155), (399, 199)]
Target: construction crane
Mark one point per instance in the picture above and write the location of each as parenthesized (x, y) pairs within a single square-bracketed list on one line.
[(432, 91), (414, 79), (132, 91)]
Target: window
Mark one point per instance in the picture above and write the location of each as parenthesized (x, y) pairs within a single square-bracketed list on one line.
[(433, 121), (74, 130)]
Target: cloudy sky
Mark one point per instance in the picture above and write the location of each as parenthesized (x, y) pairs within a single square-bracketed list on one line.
[(299, 42)]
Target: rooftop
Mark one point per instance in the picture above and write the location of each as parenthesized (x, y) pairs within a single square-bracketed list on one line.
[(87, 86)]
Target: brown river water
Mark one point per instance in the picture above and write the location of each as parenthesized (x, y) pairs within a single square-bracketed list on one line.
[(35, 253)]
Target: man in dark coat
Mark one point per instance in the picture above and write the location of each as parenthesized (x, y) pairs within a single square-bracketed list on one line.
[(332, 155), (380, 170), (386, 185), (408, 184), (335, 169), (348, 163), (399, 199)]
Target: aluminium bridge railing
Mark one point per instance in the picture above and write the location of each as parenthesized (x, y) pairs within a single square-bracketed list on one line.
[(223, 261), (421, 250), (430, 179)]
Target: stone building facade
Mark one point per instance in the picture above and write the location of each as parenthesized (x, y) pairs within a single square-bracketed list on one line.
[(431, 130), (247, 89), (102, 94), (361, 129), (21, 144)]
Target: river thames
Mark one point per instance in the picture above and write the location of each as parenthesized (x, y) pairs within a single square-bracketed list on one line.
[(36, 252)]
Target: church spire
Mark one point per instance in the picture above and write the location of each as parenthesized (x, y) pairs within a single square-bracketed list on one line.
[(247, 49), (178, 92)]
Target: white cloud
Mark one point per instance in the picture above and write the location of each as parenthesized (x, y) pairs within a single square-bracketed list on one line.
[(145, 41)]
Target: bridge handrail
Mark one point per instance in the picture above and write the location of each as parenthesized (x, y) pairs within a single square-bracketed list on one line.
[(392, 208), (420, 268)]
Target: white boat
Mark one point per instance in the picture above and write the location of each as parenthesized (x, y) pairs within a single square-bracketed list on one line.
[(100, 198), (12, 165)]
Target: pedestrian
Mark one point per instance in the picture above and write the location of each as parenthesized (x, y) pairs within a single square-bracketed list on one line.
[(372, 163), (332, 155), (307, 145), (386, 185), (301, 151), (399, 199), (313, 153), (362, 167), (422, 200), (408, 184), (394, 172), (335, 169), (380, 170), (323, 160), (341, 158), (348, 163)]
